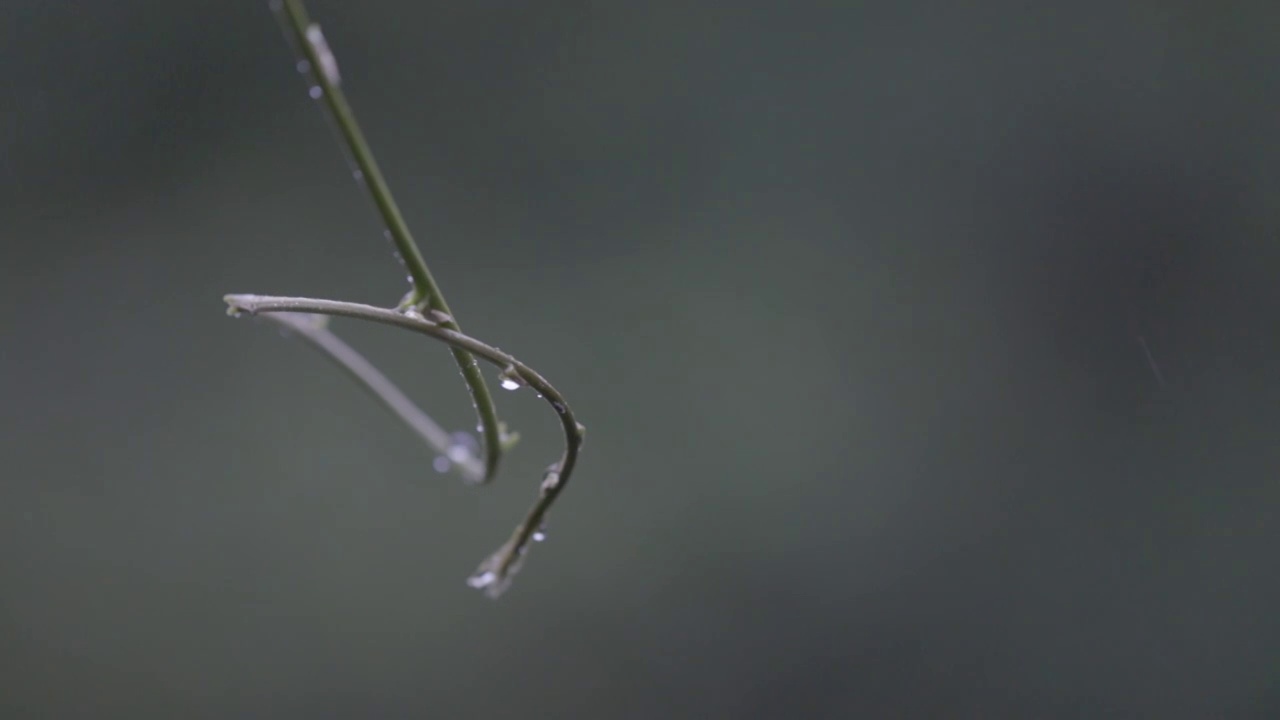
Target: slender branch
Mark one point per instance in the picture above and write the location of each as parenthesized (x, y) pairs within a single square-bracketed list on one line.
[(494, 574), (372, 379), (309, 42)]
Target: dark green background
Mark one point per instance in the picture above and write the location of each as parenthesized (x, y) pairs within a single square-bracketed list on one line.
[(851, 296)]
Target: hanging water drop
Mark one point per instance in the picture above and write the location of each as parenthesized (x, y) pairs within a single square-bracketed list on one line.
[(441, 464), (315, 92), (539, 535), (304, 67), (482, 579), (510, 378), (462, 447)]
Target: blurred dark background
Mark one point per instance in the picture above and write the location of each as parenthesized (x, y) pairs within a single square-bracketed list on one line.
[(855, 298)]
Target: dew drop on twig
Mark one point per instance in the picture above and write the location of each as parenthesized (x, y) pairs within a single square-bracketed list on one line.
[(328, 63), (463, 447), (551, 480), (482, 580), (510, 378)]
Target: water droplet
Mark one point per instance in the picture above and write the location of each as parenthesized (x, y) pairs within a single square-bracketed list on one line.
[(482, 579), (408, 279), (303, 66), (463, 447), (357, 175), (328, 63), (491, 577), (551, 480), (441, 464), (539, 535), (315, 92), (510, 378), (559, 406)]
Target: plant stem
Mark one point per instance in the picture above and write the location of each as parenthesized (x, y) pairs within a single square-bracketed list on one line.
[(426, 293), (495, 572)]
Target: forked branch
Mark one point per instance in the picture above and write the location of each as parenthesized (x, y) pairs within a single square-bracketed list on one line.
[(423, 310), (495, 573), (320, 66)]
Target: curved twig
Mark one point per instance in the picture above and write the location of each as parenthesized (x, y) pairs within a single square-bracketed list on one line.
[(495, 573)]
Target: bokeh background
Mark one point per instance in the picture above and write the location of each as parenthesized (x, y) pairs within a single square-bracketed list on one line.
[(856, 300)]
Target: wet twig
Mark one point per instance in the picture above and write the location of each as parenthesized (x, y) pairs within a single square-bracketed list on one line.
[(424, 311), (494, 574)]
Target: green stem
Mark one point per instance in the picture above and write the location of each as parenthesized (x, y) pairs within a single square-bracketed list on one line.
[(426, 293), (494, 574)]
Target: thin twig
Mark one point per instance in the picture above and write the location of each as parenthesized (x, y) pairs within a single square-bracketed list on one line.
[(494, 574), (322, 68), (364, 372)]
